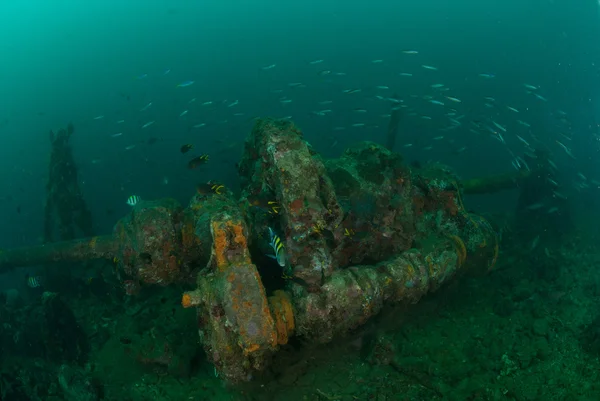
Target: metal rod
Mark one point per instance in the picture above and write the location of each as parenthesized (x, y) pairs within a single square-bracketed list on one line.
[(102, 247)]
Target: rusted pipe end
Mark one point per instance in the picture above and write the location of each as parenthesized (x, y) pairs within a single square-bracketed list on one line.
[(283, 315), (235, 322), (478, 246)]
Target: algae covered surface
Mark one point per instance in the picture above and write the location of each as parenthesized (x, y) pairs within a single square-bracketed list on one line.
[(519, 333)]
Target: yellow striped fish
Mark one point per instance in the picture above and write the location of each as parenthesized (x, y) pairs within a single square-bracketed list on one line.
[(278, 248), (34, 282)]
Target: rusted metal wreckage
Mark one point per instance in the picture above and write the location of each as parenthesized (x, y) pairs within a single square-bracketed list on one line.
[(360, 232)]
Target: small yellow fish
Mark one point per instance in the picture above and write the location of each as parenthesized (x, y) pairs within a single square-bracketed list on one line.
[(197, 161), (210, 187), (186, 148), (269, 206), (318, 227)]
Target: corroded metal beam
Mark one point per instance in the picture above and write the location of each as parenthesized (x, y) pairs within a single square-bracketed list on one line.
[(102, 247), (494, 183)]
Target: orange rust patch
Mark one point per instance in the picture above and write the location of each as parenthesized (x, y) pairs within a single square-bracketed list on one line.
[(229, 239), (251, 348), (191, 298), (219, 244), (186, 301), (239, 238)]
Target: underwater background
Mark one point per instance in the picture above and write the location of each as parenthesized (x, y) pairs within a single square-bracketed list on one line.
[(480, 84)]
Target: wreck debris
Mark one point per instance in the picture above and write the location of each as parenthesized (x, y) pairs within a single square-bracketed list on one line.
[(360, 232), (66, 214)]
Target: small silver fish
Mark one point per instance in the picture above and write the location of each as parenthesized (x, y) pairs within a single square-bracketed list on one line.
[(522, 140), (185, 84), (500, 127)]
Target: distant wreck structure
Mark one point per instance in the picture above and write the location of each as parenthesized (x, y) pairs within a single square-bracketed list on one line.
[(66, 215)]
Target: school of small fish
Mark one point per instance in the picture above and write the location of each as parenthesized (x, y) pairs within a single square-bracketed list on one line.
[(445, 117)]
